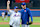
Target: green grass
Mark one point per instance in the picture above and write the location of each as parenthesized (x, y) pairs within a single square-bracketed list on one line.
[(20, 25), (4, 20), (34, 25), (3, 25), (35, 19)]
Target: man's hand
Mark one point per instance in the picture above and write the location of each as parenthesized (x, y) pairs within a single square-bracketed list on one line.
[(30, 23), (8, 2), (8, 7), (27, 22)]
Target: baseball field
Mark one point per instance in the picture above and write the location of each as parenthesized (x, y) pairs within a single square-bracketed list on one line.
[(5, 23)]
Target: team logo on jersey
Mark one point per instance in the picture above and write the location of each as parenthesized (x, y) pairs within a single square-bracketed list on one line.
[(24, 10), (15, 15), (18, 15)]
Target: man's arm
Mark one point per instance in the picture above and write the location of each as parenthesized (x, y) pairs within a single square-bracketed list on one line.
[(29, 12), (8, 7)]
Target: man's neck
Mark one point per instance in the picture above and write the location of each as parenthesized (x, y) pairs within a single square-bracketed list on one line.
[(16, 11), (24, 8)]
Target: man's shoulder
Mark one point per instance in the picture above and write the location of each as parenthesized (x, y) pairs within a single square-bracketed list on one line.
[(12, 10), (19, 12), (27, 9), (21, 9)]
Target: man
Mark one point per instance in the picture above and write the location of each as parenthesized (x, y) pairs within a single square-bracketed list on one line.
[(25, 14), (15, 16), (6, 14), (3, 14)]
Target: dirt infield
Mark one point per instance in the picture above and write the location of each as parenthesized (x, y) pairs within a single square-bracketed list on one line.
[(4, 23), (36, 24), (8, 23)]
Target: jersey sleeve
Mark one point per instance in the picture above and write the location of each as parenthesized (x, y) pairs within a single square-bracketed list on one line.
[(21, 13), (10, 11), (29, 12)]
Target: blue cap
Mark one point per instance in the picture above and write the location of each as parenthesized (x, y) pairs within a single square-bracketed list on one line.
[(15, 7), (23, 3)]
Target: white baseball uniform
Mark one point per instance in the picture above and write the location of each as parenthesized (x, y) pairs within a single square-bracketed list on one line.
[(3, 14), (24, 25), (15, 18)]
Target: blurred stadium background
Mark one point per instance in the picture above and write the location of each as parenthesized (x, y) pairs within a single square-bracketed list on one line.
[(34, 6)]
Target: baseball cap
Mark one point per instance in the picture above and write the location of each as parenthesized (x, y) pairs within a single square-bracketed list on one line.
[(16, 7), (23, 3)]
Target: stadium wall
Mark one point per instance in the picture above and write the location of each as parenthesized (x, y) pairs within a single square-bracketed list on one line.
[(35, 12)]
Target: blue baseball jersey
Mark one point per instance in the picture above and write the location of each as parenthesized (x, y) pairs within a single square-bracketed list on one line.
[(25, 14)]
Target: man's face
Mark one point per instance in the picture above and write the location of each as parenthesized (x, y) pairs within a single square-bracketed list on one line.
[(16, 10), (23, 6)]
